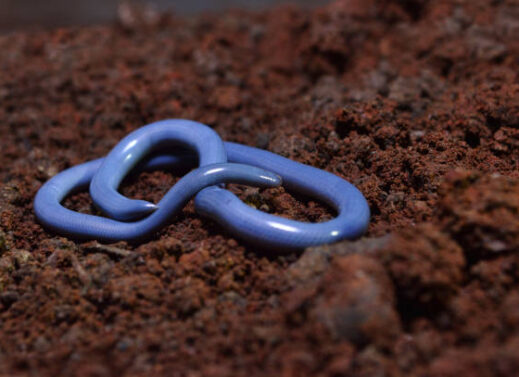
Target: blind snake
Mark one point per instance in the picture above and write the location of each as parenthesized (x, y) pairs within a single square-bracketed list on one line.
[(220, 162)]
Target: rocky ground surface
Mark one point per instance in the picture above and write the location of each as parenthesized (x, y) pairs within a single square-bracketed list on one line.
[(416, 102)]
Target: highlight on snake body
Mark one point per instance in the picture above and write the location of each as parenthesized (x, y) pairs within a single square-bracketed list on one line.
[(183, 143)]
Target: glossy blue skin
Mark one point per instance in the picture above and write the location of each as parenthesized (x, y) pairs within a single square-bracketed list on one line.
[(134, 147), (262, 228), (219, 204), (227, 209), (54, 216)]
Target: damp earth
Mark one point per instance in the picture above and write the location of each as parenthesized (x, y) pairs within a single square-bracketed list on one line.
[(415, 102)]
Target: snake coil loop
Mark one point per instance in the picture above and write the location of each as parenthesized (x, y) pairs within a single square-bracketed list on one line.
[(220, 162)]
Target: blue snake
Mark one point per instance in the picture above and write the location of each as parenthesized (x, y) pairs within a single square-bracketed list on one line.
[(219, 162)]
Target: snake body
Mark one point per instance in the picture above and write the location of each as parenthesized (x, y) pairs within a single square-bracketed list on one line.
[(247, 165)]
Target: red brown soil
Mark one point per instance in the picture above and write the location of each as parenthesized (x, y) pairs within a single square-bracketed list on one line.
[(416, 102)]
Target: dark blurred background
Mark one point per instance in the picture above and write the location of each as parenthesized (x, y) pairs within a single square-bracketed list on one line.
[(34, 14)]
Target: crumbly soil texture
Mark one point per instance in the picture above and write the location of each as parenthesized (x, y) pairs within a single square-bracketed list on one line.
[(415, 102)]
